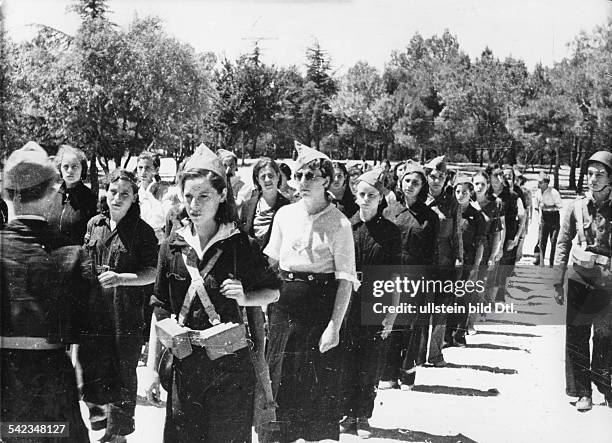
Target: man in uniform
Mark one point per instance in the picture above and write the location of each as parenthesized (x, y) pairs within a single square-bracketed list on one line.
[(548, 205), (589, 285), (44, 299)]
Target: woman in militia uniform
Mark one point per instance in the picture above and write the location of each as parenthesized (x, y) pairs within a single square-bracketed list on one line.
[(313, 244), (44, 299)]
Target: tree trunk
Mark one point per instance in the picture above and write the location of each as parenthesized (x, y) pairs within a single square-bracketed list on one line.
[(573, 162), (127, 159), (557, 163), (93, 174)]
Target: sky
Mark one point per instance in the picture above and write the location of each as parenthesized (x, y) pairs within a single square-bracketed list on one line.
[(348, 30)]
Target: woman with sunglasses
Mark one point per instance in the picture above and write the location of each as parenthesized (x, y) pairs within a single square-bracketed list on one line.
[(343, 197), (258, 212), (313, 244), (123, 248), (418, 225), (209, 399), (74, 203)]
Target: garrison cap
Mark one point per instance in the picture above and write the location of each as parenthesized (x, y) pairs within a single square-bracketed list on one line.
[(27, 167)]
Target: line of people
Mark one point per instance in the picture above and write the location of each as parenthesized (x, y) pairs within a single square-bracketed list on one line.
[(205, 256)]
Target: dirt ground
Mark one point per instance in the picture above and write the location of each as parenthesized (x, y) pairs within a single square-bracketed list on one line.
[(508, 385)]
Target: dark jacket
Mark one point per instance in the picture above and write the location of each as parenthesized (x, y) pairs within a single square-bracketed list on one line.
[(130, 247), (418, 226), (509, 199), (70, 211), (3, 213), (240, 258), (377, 241), (247, 215)]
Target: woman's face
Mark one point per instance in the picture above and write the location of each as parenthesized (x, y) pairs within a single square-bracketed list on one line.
[(480, 185), (311, 183), (268, 179), (462, 193), (120, 196), (201, 200), (338, 182), (145, 170), (367, 196), (71, 168), (436, 180), (412, 185)]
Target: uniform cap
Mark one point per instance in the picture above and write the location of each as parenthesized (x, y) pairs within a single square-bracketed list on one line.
[(603, 157), (27, 167), (436, 163), (462, 179), (204, 158), (373, 177), (307, 154), (411, 166)]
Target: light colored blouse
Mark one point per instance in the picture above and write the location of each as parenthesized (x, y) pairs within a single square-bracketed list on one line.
[(317, 243)]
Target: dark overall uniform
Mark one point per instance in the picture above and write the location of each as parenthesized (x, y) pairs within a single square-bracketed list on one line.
[(70, 211), (377, 242), (45, 294), (209, 400), (128, 248), (506, 264), (589, 297), (418, 227)]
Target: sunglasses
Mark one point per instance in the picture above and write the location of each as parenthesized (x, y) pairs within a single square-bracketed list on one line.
[(308, 175)]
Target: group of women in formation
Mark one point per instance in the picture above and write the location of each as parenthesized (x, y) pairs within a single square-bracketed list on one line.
[(211, 250)]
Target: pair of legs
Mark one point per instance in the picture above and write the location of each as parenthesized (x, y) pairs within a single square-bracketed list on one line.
[(589, 313), (549, 229)]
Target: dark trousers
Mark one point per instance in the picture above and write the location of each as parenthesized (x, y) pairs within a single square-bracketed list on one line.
[(362, 365), (306, 382), (588, 310), (211, 400), (503, 271), (549, 228), (118, 416)]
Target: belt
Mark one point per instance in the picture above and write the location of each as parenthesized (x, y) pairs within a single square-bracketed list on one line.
[(318, 278), (28, 343)]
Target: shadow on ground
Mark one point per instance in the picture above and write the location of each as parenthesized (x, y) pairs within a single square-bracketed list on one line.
[(492, 369), (509, 334), (418, 436), (455, 390), (491, 346)]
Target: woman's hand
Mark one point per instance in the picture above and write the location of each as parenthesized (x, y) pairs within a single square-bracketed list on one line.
[(232, 288), (329, 339), (151, 384), (387, 324), (110, 279)]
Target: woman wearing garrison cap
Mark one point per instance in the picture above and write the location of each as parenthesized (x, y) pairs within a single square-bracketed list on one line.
[(377, 242), (312, 242), (206, 272), (418, 225)]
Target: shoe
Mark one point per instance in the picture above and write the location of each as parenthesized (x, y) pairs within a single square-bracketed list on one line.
[(584, 404), (440, 363), (106, 438), (407, 378), (472, 331), (348, 425), (407, 387), (363, 428), (388, 384), (459, 339)]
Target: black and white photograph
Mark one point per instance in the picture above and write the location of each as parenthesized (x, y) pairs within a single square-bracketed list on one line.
[(293, 221)]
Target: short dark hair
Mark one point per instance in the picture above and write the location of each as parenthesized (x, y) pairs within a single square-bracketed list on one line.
[(29, 195), (262, 163), (80, 155), (285, 169), (223, 214), (128, 176)]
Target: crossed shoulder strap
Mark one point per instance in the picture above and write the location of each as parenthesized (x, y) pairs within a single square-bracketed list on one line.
[(197, 288)]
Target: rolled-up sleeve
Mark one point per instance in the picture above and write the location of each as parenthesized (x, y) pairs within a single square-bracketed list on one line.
[(160, 300), (343, 250), (566, 234), (272, 249)]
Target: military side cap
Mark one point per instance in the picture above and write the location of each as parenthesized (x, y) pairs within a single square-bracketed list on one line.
[(412, 166), (307, 154), (462, 179), (436, 163), (204, 158), (373, 177), (27, 167)]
